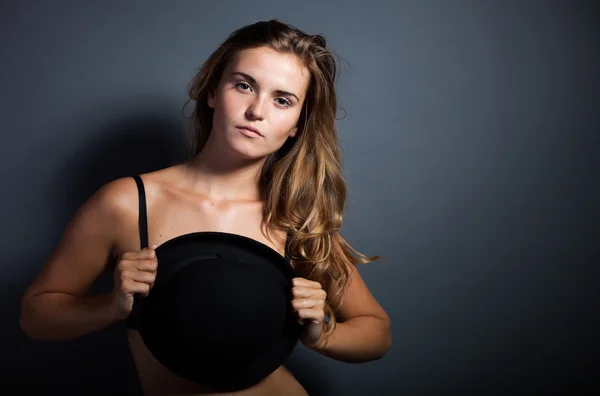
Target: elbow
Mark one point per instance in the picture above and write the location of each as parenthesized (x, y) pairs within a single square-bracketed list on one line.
[(30, 334), (384, 340), (28, 323), (33, 331), (386, 343), (27, 328), (381, 345), (388, 336), (387, 346)]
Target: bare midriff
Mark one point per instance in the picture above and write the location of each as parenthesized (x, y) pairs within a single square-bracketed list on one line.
[(156, 379)]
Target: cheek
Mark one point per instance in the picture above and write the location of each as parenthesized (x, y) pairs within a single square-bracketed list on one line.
[(286, 120), (228, 104)]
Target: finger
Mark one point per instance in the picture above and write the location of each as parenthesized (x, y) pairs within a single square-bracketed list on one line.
[(138, 276), (314, 315), (133, 264), (146, 253), (132, 287), (145, 265), (302, 282), (308, 303), (143, 254), (304, 292)]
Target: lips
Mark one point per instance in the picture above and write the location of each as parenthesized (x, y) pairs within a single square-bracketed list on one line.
[(250, 129)]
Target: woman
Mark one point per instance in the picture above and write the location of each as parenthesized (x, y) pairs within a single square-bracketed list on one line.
[(265, 165)]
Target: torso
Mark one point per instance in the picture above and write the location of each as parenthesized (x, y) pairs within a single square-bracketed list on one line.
[(172, 212)]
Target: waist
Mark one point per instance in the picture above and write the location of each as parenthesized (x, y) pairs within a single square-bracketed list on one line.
[(156, 379)]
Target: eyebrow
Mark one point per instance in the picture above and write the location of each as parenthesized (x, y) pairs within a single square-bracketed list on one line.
[(253, 81)]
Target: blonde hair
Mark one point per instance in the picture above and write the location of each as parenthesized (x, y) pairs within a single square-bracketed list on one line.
[(302, 182)]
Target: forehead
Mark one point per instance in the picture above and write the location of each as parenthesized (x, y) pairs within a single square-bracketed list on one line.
[(272, 69)]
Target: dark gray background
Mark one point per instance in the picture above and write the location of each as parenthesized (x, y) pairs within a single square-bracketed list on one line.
[(470, 132)]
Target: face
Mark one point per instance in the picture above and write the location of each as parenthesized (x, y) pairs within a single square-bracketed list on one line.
[(261, 89)]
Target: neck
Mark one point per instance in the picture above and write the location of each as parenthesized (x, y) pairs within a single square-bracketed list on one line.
[(222, 177)]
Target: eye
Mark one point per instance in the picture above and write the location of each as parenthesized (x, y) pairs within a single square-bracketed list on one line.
[(242, 85), (284, 103)]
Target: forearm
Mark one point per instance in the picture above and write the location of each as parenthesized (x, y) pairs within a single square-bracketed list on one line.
[(360, 339), (59, 316)]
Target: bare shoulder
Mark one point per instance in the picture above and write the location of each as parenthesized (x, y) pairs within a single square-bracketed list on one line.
[(106, 216), (120, 200), (120, 197), (85, 248), (102, 227), (116, 202), (158, 180)]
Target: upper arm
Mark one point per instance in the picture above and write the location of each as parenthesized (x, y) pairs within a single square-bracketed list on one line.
[(358, 300), (85, 247)]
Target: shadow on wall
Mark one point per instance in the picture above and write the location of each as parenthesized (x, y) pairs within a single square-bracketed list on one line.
[(100, 363)]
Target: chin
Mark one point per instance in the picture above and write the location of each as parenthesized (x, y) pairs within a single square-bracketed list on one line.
[(240, 146), (246, 149), (243, 151)]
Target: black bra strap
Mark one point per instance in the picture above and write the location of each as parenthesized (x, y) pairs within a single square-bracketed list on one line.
[(143, 217)]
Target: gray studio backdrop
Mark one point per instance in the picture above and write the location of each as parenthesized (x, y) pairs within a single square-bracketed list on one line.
[(469, 133)]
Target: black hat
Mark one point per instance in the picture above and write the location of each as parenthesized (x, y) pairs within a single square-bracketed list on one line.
[(220, 312)]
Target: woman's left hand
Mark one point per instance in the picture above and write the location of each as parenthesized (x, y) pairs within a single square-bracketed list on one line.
[(308, 301)]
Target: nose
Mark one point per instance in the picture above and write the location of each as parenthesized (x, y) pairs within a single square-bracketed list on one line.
[(256, 109)]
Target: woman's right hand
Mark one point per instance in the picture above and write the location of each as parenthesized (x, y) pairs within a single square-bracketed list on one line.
[(134, 273)]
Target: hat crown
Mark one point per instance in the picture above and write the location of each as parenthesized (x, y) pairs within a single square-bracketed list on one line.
[(220, 310)]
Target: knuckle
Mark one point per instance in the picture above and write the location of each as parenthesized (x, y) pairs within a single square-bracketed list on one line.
[(124, 263), (144, 263), (125, 285), (148, 263), (141, 265)]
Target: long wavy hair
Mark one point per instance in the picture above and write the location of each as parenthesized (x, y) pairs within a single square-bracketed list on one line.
[(302, 183)]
